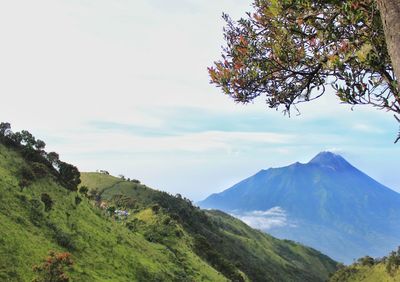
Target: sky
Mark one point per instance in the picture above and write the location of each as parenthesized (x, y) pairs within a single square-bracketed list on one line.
[(123, 86)]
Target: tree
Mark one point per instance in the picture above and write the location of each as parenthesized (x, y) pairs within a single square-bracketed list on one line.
[(15, 138), (390, 13), (54, 268), (40, 145), (5, 129), (53, 159), (69, 175), (28, 139), (366, 261), (291, 50)]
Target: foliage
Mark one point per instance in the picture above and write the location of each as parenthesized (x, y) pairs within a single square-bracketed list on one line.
[(54, 268), (84, 190), (47, 201), (366, 261), (41, 162), (393, 261), (291, 50), (69, 175), (78, 200), (26, 177), (369, 269)]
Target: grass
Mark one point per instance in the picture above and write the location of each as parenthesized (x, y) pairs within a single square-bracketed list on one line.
[(364, 273), (103, 250)]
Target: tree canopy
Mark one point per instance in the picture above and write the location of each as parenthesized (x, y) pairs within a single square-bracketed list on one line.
[(292, 50), (32, 150)]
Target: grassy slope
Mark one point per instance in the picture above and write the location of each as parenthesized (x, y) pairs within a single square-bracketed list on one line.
[(358, 273), (261, 257), (103, 250)]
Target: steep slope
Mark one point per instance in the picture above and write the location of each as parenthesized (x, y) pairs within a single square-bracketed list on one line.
[(164, 238), (102, 249), (327, 204), (226, 243)]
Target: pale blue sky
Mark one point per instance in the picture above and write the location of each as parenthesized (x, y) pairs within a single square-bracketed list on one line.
[(123, 86)]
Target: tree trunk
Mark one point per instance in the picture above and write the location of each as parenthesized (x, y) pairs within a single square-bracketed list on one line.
[(390, 14)]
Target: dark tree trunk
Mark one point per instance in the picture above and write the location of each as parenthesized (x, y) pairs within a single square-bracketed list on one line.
[(390, 14)]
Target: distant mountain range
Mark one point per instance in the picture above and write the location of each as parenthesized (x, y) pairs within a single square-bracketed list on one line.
[(326, 203)]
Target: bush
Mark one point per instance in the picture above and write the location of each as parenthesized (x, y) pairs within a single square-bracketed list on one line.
[(94, 194), (48, 202), (39, 169), (27, 173), (64, 240), (84, 190), (155, 208), (26, 177), (23, 183), (54, 268), (366, 261), (78, 200)]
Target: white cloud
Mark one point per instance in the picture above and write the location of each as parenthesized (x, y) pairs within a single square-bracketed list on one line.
[(264, 220)]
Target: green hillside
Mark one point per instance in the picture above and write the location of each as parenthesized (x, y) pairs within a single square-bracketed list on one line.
[(164, 237), (103, 249), (367, 269), (226, 243)]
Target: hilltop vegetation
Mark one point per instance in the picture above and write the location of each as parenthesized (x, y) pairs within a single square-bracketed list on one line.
[(160, 238), (368, 269)]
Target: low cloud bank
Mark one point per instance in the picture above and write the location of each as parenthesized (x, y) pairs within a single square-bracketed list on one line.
[(264, 220)]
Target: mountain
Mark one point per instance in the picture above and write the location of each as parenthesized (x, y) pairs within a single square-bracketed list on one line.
[(160, 238), (327, 204)]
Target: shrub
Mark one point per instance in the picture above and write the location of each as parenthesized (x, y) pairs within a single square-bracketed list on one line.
[(94, 194), (39, 170), (155, 208), (27, 173), (366, 261), (84, 190), (78, 200), (23, 183), (53, 269), (132, 225), (64, 239), (47, 201)]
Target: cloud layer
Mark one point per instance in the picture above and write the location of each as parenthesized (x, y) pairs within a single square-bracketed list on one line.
[(264, 220)]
